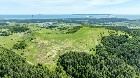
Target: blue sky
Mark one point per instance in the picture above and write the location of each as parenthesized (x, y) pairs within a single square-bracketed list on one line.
[(69, 6)]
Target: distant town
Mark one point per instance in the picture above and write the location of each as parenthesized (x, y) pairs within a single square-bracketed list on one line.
[(132, 24)]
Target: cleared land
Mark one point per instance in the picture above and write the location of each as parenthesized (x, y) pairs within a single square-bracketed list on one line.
[(45, 45)]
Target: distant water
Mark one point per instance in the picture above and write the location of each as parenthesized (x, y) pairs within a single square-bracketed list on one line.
[(51, 16), (131, 17), (36, 16)]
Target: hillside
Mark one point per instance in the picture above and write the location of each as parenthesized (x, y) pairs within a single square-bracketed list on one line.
[(45, 45), (70, 52)]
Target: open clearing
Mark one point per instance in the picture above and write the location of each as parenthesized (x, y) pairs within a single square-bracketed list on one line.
[(45, 48)]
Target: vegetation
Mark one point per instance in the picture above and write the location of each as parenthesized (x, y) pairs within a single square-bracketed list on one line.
[(82, 65), (13, 66), (45, 48), (18, 29), (108, 62), (5, 33), (70, 52), (69, 30), (20, 45)]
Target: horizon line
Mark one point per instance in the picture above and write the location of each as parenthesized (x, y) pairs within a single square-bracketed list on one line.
[(74, 14)]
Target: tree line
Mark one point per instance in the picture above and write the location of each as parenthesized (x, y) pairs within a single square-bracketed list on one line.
[(116, 57)]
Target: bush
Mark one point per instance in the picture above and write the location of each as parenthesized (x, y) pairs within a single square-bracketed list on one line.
[(20, 45)]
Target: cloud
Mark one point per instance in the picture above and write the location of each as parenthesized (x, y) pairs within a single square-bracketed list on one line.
[(58, 6), (66, 2), (74, 2), (106, 2)]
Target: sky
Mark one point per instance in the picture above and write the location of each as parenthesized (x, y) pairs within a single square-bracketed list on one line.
[(69, 7)]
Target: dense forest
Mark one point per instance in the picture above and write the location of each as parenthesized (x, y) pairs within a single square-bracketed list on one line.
[(9, 30), (117, 56), (13, 66)]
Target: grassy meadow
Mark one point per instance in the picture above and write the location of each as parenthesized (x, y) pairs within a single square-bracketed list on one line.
[(45, 45)]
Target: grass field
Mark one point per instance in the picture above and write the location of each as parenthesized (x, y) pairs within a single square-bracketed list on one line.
[(45, 48)]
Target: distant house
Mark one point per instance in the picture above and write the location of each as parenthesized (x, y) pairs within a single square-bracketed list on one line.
[(4, 23), (44, 24), (133, 27), (51, 23)]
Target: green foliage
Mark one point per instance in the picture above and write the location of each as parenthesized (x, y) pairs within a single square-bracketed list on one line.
[(82, 65), (113, 41), (13, 66), (118, 28), (18, 29), (135, 33), (72, 30), (20, 45), (51, 27), (4, 33), (125, 49), (69, 30), (117, 57)]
